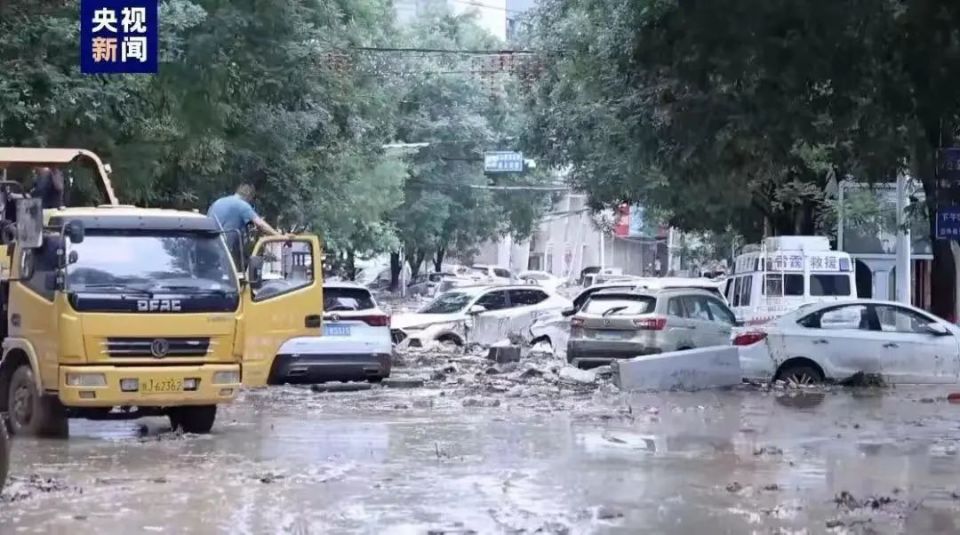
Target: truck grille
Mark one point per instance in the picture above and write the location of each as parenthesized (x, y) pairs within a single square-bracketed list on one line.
[(157, 347), (397, 336)]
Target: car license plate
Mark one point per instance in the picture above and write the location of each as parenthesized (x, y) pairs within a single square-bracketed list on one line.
[(161, 386), (336, 330), (607, 335)]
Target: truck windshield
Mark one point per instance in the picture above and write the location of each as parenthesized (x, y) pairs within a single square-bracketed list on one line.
[(122, 262)]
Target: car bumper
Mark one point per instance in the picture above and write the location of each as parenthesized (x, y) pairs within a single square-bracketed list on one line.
[(317, 368), (111, 394), (592, 354)]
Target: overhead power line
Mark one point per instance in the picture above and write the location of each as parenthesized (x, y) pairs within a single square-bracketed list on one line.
[(521, 188), (403, 50)]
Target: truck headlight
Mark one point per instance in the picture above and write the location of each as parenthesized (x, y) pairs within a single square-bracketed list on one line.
[(86, 379), (226, 378)]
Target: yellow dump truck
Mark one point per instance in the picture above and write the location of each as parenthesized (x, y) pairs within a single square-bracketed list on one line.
[(114, 311)]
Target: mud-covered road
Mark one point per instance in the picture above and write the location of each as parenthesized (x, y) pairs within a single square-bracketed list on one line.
[(476, 454)]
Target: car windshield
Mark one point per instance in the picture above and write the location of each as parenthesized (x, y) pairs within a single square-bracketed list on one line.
[(119, 262), (448, 303)]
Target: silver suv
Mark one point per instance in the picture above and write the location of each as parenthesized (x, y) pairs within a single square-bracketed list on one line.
[(621, 324)]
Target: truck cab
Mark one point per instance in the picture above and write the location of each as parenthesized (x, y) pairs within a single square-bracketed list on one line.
[(116, 312)]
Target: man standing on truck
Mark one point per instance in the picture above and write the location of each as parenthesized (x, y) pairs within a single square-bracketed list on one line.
[(234, 213), (48, 187)]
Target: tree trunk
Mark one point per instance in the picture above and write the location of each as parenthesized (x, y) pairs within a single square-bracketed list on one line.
[(351, 266), (943, 279), (438, 259), (395, 266)]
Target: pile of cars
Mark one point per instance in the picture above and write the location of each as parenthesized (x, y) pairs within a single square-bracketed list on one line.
[(626, 317)]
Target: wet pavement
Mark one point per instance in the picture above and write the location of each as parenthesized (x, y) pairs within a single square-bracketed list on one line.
[(479, 456)]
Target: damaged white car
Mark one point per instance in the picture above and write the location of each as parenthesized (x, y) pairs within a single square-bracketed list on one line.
[(553, 328), (480, 314), (834, 342)]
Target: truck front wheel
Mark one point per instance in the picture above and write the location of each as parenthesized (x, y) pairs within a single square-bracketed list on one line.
[(197, 420), (31, 412)]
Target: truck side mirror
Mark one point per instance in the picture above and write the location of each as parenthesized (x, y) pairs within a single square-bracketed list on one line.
[(29, 223), (254, 270), (74, 231)]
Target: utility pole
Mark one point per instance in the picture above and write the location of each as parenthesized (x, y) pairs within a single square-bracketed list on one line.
[(903, 243)]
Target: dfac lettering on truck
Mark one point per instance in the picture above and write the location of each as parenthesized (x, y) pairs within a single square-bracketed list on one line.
[(115, 311)]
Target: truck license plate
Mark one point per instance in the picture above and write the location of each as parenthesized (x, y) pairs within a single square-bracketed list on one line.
[(336, 330), (161, 386)]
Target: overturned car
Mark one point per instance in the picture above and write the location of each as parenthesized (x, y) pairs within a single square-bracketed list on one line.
[(475, 315)]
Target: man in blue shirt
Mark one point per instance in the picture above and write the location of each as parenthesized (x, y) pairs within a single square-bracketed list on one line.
[(234, 213)]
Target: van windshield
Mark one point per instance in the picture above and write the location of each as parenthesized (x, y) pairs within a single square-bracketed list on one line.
[(125, 261), (830, 285)]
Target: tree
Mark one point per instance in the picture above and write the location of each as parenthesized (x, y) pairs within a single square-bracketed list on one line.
[(744, 111), (446, 203)]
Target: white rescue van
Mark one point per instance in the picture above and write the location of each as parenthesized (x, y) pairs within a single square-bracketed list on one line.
[(786, 272)]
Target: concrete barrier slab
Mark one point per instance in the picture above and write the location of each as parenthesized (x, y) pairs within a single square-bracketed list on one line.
[(708, 367)]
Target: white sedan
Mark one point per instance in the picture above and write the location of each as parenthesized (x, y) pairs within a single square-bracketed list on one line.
[(479, 314), (834, 341)]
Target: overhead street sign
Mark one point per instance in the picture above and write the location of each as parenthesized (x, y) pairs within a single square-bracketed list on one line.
[(503, 162)]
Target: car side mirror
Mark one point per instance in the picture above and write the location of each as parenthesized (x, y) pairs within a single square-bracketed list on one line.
[(476, 309), (937, 330), (254, 270), (567, 312), (74, 231)]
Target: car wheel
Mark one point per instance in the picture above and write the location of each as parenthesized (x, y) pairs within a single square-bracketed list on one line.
[(800, 375), (32, 413), (198, 420)]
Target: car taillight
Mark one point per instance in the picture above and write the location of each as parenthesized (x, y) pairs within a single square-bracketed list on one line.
[(650, 324), (747, 339), (375, 321), (576, 322)]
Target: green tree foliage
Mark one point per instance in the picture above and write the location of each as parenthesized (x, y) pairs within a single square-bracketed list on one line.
[(275, 93), (446, 206), (742, 112)]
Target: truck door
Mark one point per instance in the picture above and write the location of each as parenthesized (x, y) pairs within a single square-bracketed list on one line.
[(287, 302)]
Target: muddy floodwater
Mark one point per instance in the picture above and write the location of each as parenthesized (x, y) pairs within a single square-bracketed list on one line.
[(445, 459)]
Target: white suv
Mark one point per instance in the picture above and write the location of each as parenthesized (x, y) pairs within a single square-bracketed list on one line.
[(354, 344), (494, 274), (479, 314), (622, 324)]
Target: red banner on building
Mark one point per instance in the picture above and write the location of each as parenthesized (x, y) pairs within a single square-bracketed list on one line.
[(621, 226)]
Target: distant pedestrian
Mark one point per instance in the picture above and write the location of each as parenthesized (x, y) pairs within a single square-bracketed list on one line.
[(234, 213)]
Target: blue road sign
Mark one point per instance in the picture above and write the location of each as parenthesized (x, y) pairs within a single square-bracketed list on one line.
[(118, 36), (948, 223), (503, 162), (948, 161)]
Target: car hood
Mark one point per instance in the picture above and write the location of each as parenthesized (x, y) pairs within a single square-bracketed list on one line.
[(406, 321)]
